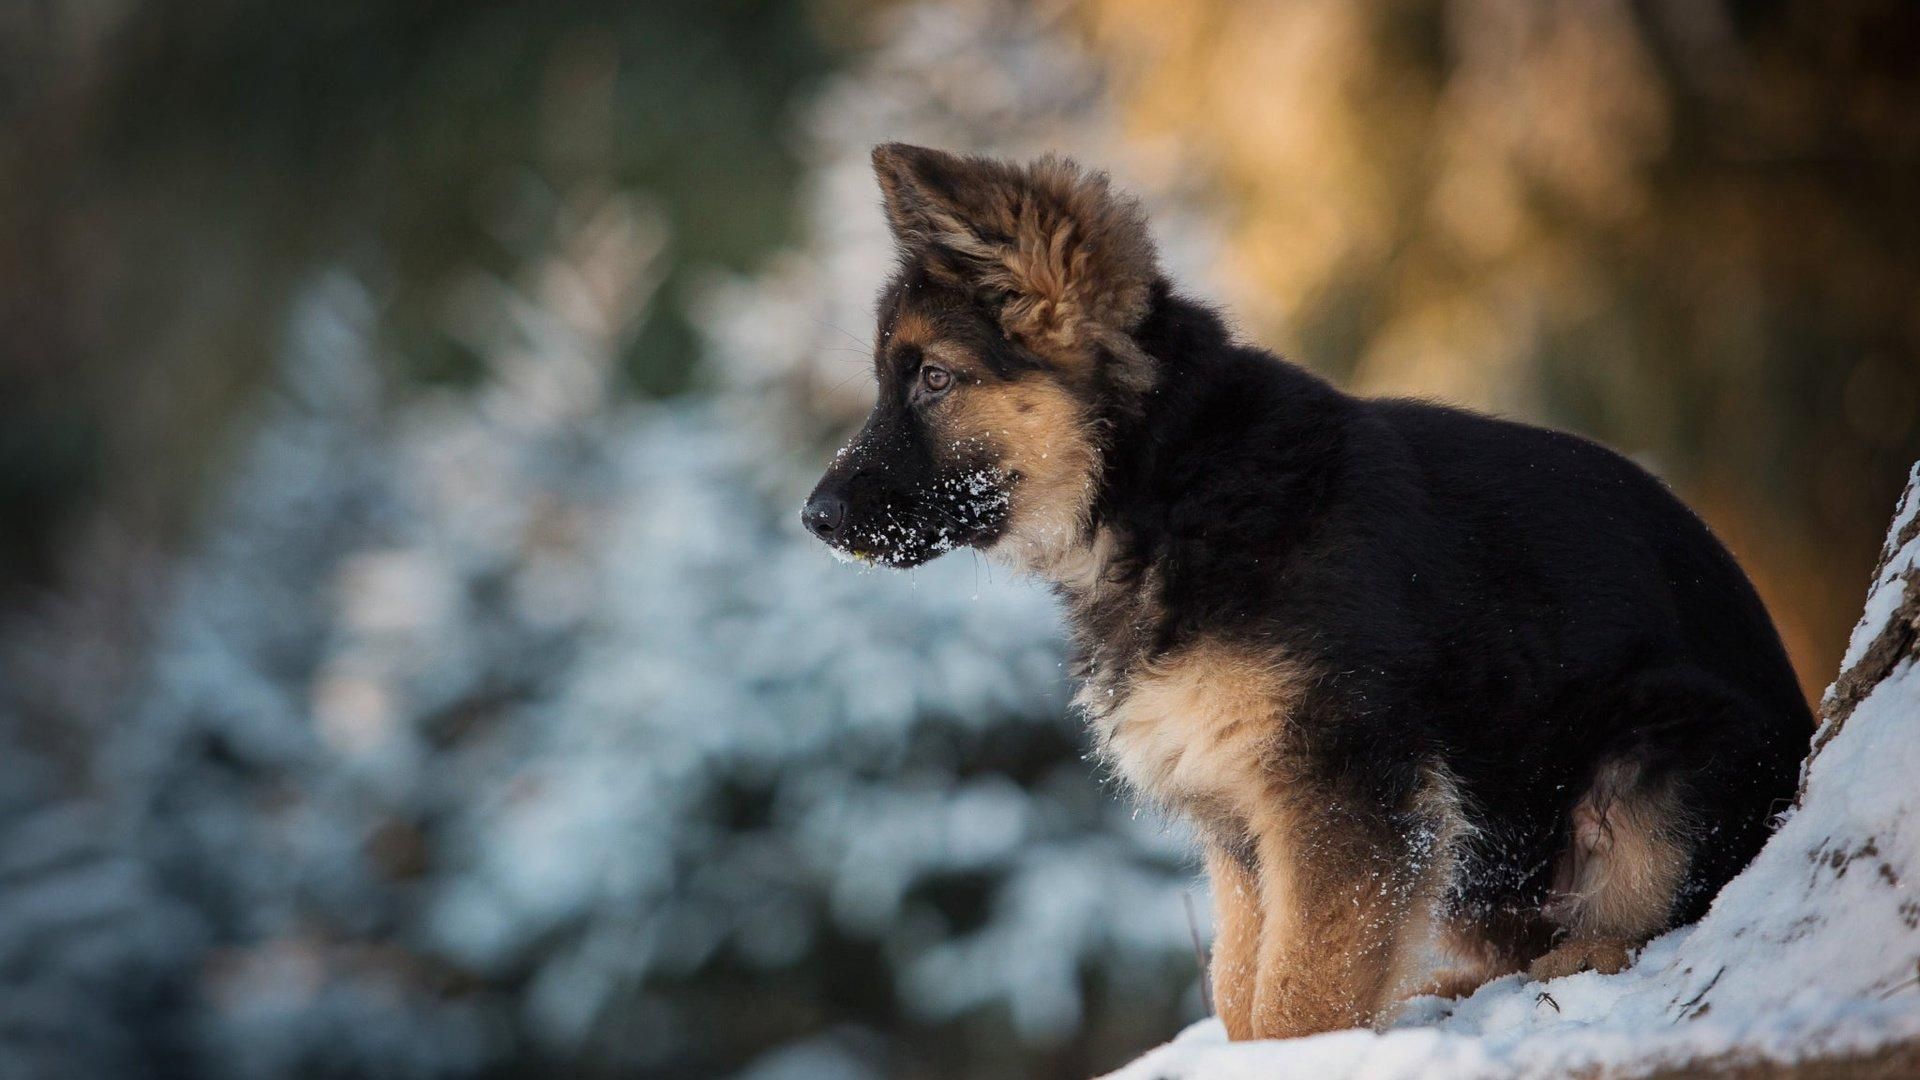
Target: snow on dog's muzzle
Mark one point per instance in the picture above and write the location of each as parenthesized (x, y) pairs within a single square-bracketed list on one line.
[(885, 500)]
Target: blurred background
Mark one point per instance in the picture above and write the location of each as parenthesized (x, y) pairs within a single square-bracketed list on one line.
[(410, 664)]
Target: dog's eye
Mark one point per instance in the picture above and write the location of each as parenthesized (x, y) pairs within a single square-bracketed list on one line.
[(935, 379)]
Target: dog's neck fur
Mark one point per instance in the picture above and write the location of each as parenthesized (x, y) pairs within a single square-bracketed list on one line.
[(1154, 443)]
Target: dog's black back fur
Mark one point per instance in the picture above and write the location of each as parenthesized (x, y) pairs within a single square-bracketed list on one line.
[(1520, 604)]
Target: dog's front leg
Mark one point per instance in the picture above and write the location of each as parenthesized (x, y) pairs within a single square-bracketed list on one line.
[(1235, 964), (1336, 899)]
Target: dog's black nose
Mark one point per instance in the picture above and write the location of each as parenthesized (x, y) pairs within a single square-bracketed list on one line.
[(824, 515)]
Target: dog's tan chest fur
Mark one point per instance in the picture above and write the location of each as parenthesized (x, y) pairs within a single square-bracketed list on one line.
[(1199, 729)]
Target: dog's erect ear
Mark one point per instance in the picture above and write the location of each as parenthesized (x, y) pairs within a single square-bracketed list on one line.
[(927, 192), (1068, 257)]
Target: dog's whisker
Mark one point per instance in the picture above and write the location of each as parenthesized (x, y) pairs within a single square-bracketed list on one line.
[(863, 346)]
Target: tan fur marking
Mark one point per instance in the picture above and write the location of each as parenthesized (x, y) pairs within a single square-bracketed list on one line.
[(1628, 853), (1339, 920), (1202, 725), (1036, 431), (1083, 570), (911, 328), (1234, 966), (1604, 955)]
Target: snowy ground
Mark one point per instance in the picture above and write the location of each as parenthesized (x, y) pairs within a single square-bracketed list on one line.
[(1813, 952)]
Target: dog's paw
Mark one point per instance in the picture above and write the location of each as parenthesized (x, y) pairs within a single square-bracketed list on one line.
[(1603, 956), (1453, 983)]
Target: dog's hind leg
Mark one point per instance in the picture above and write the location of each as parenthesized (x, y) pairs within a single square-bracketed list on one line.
[(1615, 885), (1705, 760)]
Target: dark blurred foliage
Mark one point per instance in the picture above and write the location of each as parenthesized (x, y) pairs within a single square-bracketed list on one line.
[(169, 171), (386, 691)]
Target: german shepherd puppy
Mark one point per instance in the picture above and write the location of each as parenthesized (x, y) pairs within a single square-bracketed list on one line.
[(1416, 675)]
